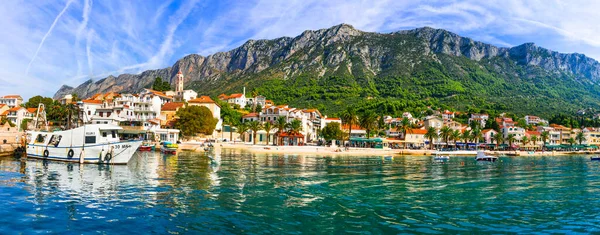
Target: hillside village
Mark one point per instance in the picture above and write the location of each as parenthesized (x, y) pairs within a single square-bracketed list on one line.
[(152, 115)]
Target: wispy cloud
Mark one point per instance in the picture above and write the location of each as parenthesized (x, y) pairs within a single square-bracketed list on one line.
[(94, 39), (47, 34)]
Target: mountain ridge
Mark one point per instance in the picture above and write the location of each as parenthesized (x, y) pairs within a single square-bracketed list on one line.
[(344, 51)]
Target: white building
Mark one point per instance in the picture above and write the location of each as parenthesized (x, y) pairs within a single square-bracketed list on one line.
[(237, 98), (11, 100), (480, 119), (534, 120)]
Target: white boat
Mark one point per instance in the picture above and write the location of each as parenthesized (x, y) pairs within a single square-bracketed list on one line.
[(482, 157), (439, 156), (91, 143)]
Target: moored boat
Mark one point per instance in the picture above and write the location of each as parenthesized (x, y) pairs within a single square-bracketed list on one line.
[(486, 158), (595, 158), (91, 143), (169, 148), (146, 147)]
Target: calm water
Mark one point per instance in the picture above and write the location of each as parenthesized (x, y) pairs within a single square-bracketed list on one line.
[(257, 194)]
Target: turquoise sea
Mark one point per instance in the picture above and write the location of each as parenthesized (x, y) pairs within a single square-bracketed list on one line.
[(241, 193)]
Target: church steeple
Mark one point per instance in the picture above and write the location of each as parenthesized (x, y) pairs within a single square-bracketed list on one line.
[(179, 82)]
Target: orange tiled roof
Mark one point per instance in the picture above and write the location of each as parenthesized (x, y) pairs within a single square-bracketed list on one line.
[(250, 115), (202, 99), (14, 109), (333, 119), (4, 113), (533, 133), (172, 106), (236, 95), (2, 105), (418, 131), (12, 96), (32, 110), (92, 101)]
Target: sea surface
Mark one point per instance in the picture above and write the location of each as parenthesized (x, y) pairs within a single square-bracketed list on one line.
[(240, 193)]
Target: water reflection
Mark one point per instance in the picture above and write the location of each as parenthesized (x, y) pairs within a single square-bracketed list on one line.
[(232, 191)]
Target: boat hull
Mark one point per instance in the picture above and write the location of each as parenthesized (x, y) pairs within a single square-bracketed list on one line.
[(145, 148), (168, 150), (109, 153)]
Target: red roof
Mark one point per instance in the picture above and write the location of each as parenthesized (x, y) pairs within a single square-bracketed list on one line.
[(14, 109), (287, 134), (179, 72), (486, 131), (250, 115), (92, 101), (532, 133), (5, 113), (32, 110), (2, 105), (418, 131), (172, 106), (12, 96), (237, 95), (158, 93), (202, 99), (333, 119)]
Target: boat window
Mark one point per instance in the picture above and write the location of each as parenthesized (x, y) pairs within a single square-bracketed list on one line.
[(90, 139), (114, 134), (40, 138), (104, 134), (55, 140)]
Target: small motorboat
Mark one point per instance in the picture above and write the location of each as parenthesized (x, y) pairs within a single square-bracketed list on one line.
[(595, 158), (439, 157), (169, 148), (146, 147), (481, 157)]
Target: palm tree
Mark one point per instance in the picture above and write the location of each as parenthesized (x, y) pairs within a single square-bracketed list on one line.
[(544, 136), (580, 137), (349, 118), (431, 134), (367, 120), (571, 142), (295, 126), (281, 124), (268, 127), (228, 121), (466, 136), (498, 138), (406, 128), (241, 129), (534, 139), (455, 136), (255, 126), (476, 134), (524, 140), (445, 134), (510, 138)]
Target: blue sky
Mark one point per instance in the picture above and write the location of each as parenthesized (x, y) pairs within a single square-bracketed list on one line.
[(46, 44)]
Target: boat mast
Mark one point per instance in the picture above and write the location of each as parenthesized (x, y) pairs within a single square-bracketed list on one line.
[(41, 113)]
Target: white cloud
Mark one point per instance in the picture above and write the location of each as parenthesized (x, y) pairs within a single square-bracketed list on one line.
[(42, 41)]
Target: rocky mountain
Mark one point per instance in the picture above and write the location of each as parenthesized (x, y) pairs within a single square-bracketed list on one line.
[(422, 63)]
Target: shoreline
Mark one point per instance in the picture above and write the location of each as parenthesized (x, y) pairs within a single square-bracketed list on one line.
[(322, 150)]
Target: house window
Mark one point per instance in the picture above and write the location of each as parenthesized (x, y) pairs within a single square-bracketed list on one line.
[(101, 114), (114, 134), (104, 134)]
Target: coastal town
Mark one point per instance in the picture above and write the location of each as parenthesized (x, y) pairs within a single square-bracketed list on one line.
[(153, 116)]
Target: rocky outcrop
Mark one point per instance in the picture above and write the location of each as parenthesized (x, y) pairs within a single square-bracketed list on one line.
[(341, 49)]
